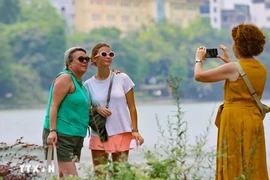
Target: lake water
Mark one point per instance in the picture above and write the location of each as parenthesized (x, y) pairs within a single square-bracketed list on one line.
[(29, 124)]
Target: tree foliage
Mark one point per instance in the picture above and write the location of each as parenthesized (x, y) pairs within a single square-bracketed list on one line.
[(34, 39), (5, 67), (9, 11), (38, 41)]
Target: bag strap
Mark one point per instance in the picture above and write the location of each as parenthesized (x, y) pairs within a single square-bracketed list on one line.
[(109, 90), (49, 162), (250, 88)]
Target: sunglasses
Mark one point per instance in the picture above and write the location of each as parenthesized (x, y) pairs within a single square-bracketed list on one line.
[(105, 54), (81, 59)]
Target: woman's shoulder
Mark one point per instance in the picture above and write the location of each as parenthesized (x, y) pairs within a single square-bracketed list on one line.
[(254, 63), (63, 76), (263, 65)]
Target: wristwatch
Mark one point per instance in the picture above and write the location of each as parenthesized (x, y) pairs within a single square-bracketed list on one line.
[(52, 130), (198, 60)]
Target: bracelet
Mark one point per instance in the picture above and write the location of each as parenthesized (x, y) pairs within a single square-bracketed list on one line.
[(135, 130), (52, 130), (198, 60)]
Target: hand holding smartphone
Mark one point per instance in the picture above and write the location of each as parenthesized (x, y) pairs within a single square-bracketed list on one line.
[(211, 53)]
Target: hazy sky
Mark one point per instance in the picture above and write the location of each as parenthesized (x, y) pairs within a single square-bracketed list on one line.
[(230, 3)]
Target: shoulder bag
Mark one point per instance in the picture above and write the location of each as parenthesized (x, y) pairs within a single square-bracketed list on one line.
[(263, 108), (97, 122)]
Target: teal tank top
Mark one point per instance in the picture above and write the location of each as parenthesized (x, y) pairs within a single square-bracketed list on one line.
[(73, 113)]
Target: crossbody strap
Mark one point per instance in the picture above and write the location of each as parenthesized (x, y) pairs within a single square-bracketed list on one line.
[(109, 90), (250, 88)]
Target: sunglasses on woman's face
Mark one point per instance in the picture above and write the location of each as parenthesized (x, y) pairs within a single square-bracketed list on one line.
[(105, 54), (81, 59)]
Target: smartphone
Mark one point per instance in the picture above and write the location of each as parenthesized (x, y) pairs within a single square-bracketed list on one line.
[(211, 53)]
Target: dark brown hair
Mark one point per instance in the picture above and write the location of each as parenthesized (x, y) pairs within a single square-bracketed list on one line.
[(249, 40)]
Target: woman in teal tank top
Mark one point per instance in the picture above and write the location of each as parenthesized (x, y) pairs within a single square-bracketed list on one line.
[(67, 114)]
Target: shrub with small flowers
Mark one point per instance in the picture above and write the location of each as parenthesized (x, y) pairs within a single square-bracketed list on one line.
[(13, 157)]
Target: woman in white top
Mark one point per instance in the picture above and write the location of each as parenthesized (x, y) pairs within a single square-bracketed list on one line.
[(121, 123)]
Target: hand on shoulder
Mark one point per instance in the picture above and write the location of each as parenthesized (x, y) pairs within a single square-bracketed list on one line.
[(116, 71)]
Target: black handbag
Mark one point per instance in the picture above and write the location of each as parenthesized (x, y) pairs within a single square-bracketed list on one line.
[(97, 122)]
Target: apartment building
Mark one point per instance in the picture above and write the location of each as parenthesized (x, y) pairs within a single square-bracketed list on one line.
[(261, 13), (132, 14), (232, 17), (205, 9), (182, 12), (85, 15), (223, 17), (215, 10)]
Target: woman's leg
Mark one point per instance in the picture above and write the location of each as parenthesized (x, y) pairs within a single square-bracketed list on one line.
[(99, 157), (65, 147), (120, 156), (67, 168)]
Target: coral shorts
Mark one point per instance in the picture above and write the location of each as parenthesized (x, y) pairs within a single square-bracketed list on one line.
[(115, 143)]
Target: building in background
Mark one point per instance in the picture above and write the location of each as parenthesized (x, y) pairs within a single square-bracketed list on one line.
[(261, 13), (205, 9), (215, 9), (222, 16), (182, 12), (132, 14), (122, 14), (160, 11), (85, 15), (231, 18), (65, 8)]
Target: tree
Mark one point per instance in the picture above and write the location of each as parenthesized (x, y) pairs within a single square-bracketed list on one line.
[(159, 46), (27, 89), (9, 11), (6, 72), (39, 40)]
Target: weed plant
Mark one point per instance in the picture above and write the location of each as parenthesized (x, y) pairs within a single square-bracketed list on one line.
[(12, 157)]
